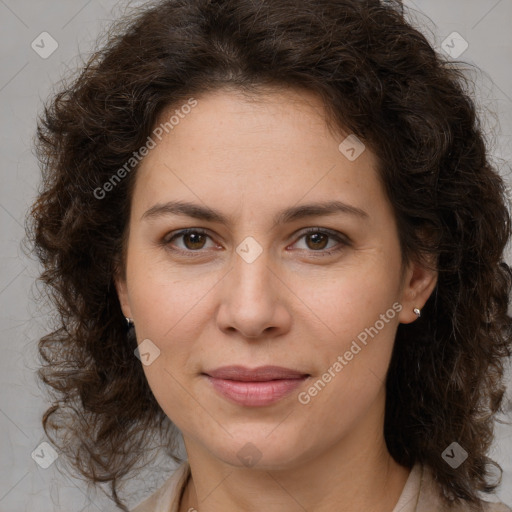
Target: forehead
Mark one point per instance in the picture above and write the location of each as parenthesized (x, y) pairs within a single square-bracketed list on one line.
[(228, 120), (266, 148)]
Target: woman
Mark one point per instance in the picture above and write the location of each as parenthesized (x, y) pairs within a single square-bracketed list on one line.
[(274, 227)]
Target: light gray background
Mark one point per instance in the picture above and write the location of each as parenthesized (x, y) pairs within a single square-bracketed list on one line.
[(26, 79)]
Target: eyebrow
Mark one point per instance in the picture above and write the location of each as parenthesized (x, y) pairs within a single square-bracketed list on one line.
[(294, 213)]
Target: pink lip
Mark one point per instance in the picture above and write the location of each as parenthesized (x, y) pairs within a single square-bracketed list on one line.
[(255, 387)]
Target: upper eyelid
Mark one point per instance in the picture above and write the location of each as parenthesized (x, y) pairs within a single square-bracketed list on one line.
[(341, 237)]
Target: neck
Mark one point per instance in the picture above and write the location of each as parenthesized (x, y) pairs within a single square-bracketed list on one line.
[(233, 493), (356, 474)]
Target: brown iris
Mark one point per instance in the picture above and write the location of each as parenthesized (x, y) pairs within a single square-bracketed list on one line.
[(316, 237), (197, 240)]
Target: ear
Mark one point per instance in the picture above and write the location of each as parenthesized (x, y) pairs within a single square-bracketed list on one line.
[(420, 279), (122, 294)]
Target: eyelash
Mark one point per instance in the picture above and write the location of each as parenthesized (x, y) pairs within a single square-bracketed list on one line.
[(342, 241)]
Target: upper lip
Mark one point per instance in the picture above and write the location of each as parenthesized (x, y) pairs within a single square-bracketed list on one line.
[(260, 374)]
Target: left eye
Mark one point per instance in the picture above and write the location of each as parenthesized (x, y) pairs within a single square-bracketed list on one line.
[(316, 240)]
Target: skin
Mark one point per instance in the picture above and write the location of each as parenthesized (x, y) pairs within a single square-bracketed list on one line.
[(249, 159)]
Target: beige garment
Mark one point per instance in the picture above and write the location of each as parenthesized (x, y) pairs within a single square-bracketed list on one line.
[(420, 494)]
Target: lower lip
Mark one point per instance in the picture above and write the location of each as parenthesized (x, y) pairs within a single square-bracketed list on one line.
[(255, 394)]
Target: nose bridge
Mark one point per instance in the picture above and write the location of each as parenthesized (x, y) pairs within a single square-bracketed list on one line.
[(249, 302), (251, 268)]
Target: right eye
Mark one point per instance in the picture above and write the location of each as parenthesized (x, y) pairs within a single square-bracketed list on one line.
[(193, 240)]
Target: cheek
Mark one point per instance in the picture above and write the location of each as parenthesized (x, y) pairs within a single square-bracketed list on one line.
[(170, 311), (164, 299), (353, 366), (356, 317), (345, 302)]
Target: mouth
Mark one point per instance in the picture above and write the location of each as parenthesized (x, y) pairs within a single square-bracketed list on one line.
[(255, 387)]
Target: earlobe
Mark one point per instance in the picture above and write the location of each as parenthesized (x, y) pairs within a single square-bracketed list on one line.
[(420, 281), (122, 294)]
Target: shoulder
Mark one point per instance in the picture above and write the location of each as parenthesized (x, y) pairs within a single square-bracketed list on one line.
[(496, 507), (167, 496), (487, 506), (430, 499)]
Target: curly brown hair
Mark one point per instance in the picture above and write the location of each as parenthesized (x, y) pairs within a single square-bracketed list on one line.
[(379, 78)]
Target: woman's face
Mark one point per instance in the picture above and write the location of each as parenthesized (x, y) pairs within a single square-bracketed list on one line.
[(248, 286)]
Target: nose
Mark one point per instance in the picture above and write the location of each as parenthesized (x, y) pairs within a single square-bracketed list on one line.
[(254, 299)]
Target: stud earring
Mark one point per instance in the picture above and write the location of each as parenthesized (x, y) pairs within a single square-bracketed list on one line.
[(417, 312), (129, 322)]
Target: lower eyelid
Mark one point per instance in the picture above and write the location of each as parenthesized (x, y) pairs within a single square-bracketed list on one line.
[(176, 236), (340, 240)]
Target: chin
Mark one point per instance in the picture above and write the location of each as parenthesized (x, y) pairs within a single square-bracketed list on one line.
[(262, 451)]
